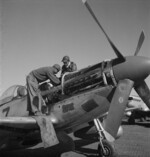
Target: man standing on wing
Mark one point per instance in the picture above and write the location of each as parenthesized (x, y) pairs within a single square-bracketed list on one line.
[(34, 98)]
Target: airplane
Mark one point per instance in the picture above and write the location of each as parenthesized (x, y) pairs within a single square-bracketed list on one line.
[(136, 109), (99, 90)]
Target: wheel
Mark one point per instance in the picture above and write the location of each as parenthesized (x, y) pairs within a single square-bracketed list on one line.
[(109, 149)]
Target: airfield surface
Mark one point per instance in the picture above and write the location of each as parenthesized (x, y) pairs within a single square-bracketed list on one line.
[(135, 142)]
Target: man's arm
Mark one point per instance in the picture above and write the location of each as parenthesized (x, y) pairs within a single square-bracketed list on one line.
[(62, 71), (53, 79)]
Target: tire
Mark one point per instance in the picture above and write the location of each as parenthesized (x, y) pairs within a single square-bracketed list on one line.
[(109, 148)]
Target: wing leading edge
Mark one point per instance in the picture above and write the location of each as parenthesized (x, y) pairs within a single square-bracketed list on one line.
[(19, 122), (42, 123)]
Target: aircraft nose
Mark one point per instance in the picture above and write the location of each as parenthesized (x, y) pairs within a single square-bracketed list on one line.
[(135, 68)]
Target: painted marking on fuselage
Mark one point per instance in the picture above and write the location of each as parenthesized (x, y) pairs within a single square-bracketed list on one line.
[(121, 99), (68, 107), (6, 110)]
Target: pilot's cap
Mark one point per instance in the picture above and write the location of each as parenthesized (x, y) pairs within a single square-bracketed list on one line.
[(65, 59), (57, 66)]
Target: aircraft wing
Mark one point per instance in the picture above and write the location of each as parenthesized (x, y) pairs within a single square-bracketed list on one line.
[(131, 109), (19, 122), (42, 123)]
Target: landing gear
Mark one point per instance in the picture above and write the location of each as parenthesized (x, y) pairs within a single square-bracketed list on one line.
[(105, 148)]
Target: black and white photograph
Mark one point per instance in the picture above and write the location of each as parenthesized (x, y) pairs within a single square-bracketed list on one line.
[(75, 78)]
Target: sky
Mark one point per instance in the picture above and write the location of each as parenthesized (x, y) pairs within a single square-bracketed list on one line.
[(38, 33)]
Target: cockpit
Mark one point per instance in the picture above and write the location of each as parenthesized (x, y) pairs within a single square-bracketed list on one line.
[(15, 91)]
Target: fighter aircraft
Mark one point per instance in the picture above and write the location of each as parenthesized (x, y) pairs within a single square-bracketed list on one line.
[(100, 90)]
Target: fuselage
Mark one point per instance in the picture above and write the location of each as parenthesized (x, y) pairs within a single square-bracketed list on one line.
[(68, 112)]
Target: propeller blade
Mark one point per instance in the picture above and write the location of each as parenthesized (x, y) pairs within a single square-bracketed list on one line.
[(117, 107), (144, 92), (119, 55), (140, 42)]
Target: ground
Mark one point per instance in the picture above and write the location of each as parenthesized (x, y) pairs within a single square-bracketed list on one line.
[(135, 142)]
